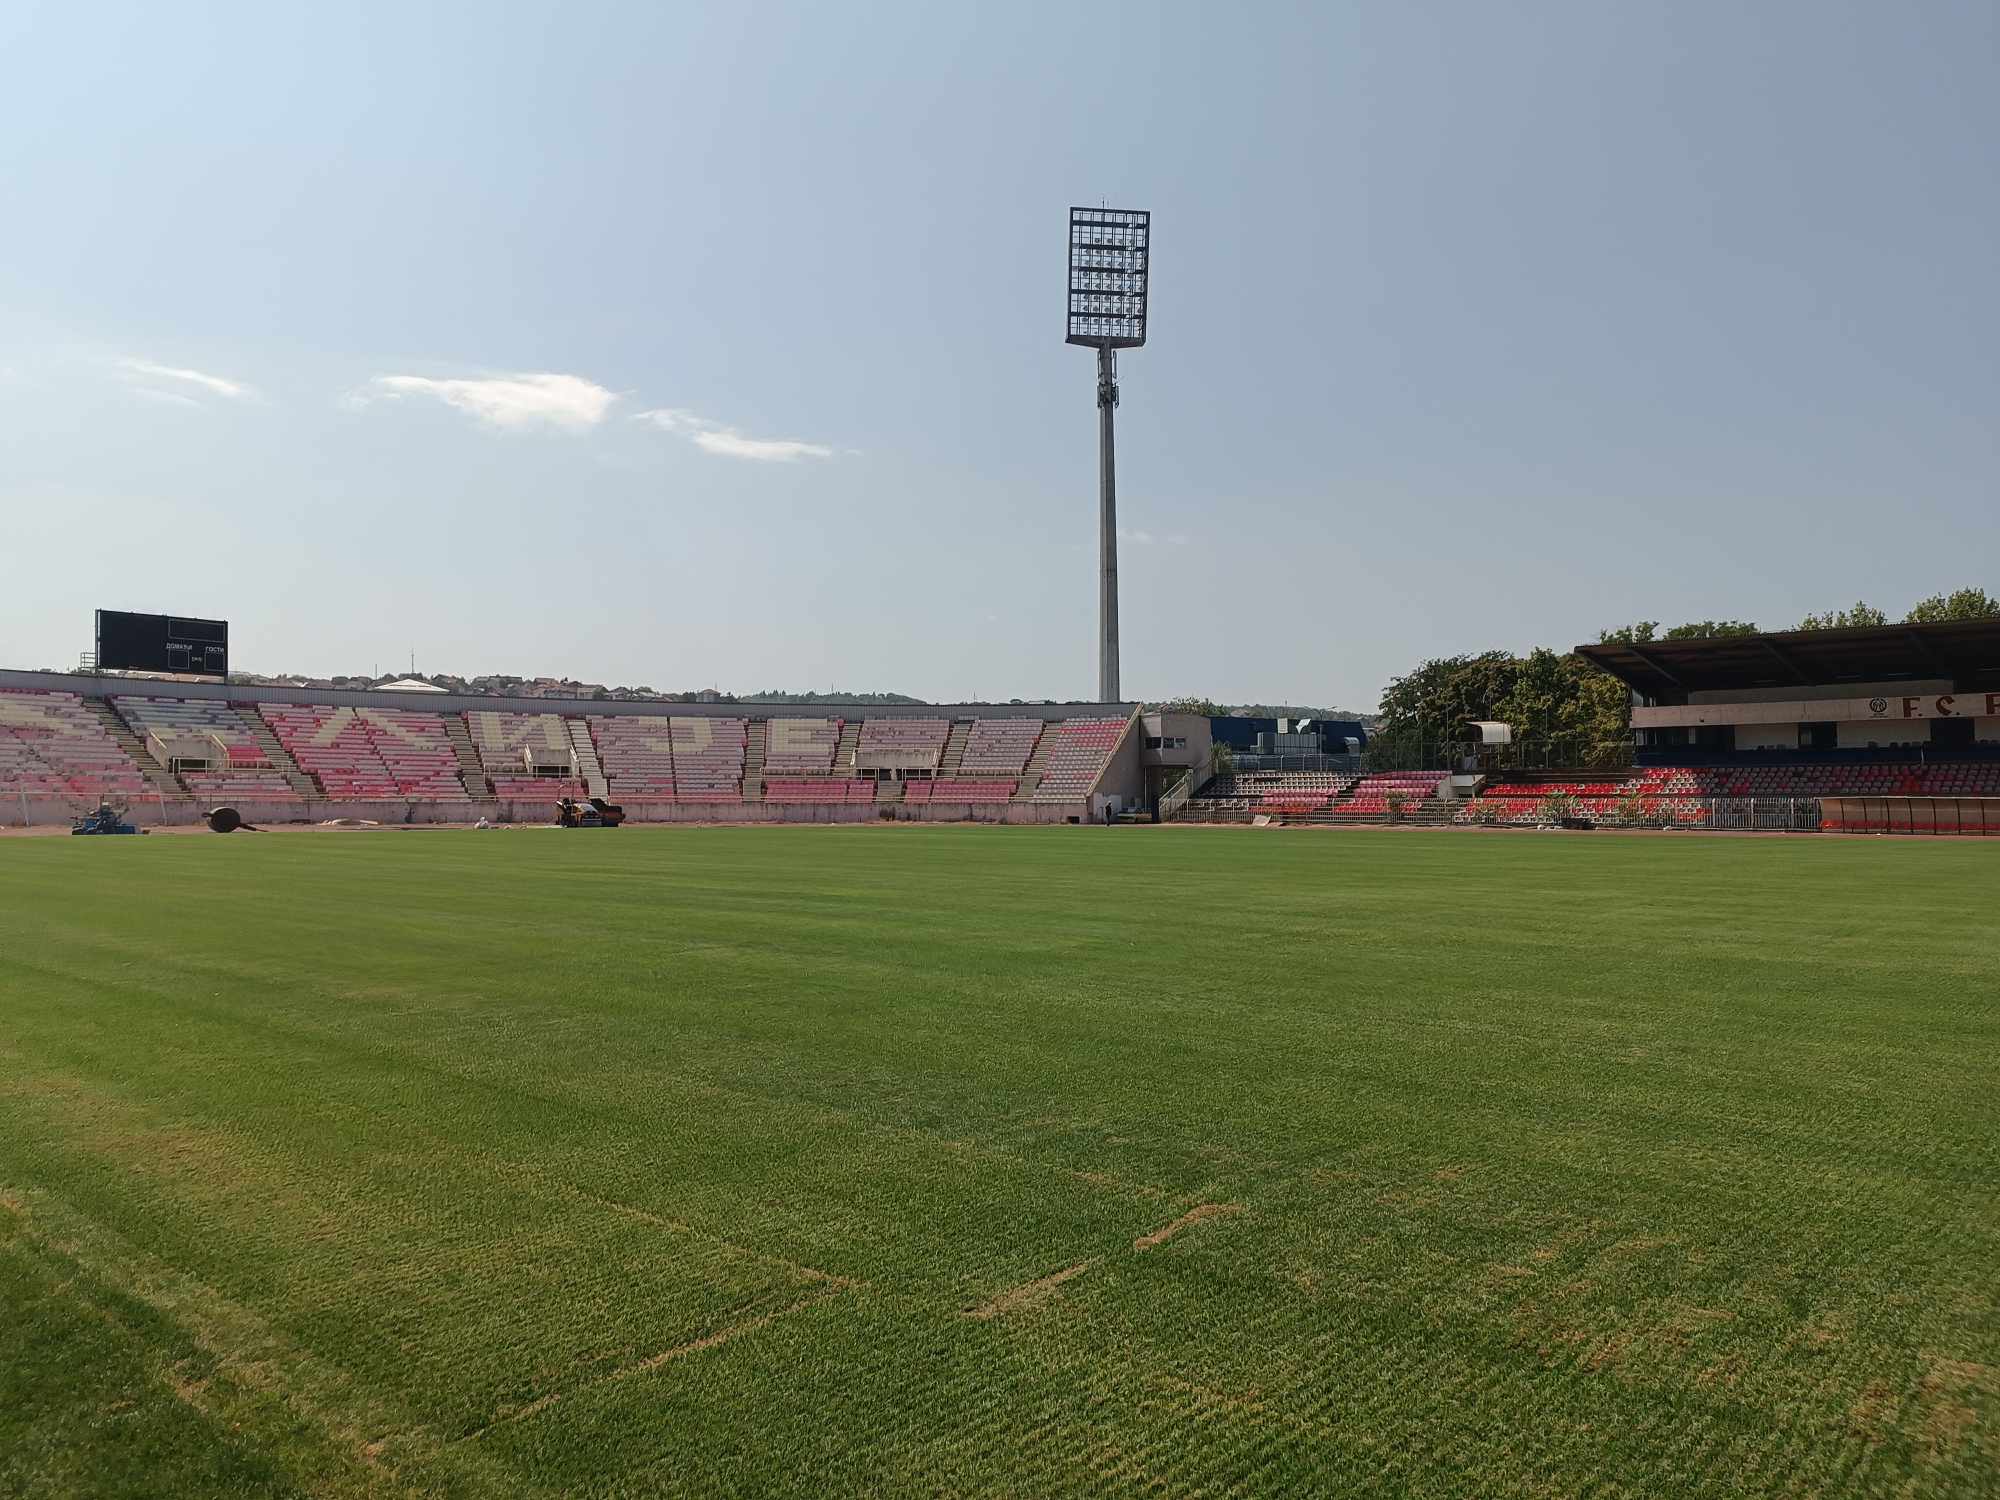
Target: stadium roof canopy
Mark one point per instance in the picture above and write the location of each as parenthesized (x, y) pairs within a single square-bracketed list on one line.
[(1965, 651)]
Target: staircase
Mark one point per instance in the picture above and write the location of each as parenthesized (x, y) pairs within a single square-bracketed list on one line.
[(588, 766), (757, 734), (850, 742), (1031, 774), (280, 757), (888, 793), (954, 748), (158, 777), (470, 771)]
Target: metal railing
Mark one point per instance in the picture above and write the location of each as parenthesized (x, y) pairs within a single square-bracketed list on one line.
[(1710, 814)]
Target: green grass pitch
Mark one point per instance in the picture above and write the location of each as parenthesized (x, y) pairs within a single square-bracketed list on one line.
[(982, 1161)]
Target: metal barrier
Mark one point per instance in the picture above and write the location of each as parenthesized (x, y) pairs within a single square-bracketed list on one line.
[(1175, 797), (1710, 814), (1763, 814)]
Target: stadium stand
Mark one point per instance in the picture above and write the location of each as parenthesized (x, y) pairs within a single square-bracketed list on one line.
[(518, 753), (801, 745), (708, 759), (902, 744), (221, 734), (1079, 751), (1279, 793), (637, 754), (1000, 745), (359, 754), (191, 745), (1875, 779), (977, 791), (840, 789), (1371, 794), (415, 749), (51, 743)]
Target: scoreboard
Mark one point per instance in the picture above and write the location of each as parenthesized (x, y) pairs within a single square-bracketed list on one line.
[(128, 642)]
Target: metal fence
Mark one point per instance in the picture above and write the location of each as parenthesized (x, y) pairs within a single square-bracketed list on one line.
[(1710, 814)]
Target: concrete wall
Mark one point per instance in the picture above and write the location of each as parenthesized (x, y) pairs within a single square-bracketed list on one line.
[(1861, 733), (1194, 728), (1123, 782), (31, 811), (1821, 690), (1767, 737)]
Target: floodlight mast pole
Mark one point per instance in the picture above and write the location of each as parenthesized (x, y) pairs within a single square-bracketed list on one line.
[(1107, 527)]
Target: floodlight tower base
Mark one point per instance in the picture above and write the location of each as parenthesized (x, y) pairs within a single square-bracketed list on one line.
[(1107, 534)]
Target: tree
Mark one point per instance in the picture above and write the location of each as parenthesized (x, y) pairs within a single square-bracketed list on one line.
[(1576, 714), (1965, 604), (1844, 619), (1709, 630), (1429, 706), (1189, 706), (1627, 635)]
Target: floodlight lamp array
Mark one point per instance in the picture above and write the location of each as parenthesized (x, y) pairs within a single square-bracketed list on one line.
[(1109, 255)]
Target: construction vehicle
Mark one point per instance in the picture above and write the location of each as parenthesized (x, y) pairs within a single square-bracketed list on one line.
[(596, 813), (103, 819)]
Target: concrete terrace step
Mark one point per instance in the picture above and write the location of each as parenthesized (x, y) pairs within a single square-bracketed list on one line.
[(588, 766), (276, 753), (158, 777), (954, 748), (470, 771), (757, 734), (1038, 761)]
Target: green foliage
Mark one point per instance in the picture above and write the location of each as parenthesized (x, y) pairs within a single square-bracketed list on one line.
[(1206, 706), (1627, 635), (1844, 619), (1710, 630), (1221, 759), (1555, 807), (1962, 604), (1546, 696), (1610, 1166)]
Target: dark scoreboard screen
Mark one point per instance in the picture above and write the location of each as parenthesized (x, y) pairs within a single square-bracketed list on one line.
[(128, 642)]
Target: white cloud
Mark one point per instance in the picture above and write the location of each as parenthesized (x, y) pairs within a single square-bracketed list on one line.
[(509, 400), (727, 442), (145, 370), (1140, 538)]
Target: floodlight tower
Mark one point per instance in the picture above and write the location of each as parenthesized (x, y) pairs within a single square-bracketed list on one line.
[(1110, 252)]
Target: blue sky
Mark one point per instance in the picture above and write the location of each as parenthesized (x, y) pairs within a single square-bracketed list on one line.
[(722, 345)]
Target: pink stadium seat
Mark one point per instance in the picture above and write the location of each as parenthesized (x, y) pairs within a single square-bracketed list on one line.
[(834, 789), (238, 767), (1079, 750), (369, 753), (51, 744), (1002, 745), (801, 745)]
